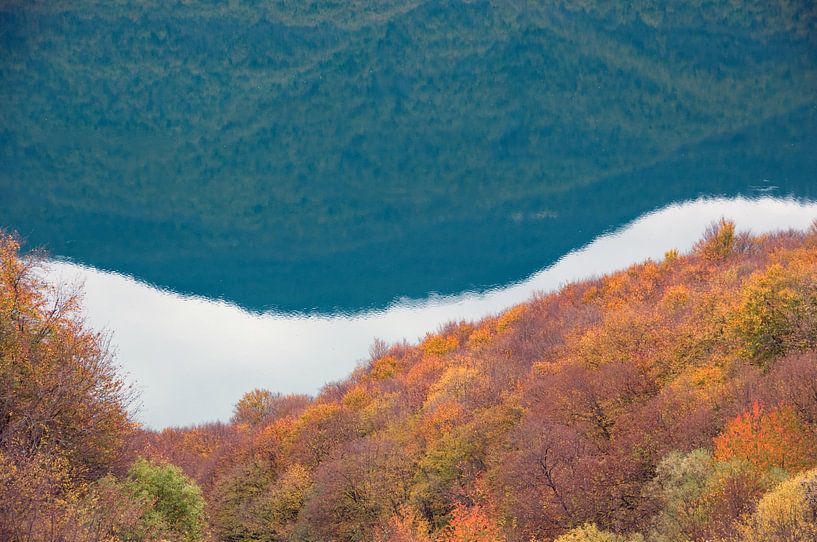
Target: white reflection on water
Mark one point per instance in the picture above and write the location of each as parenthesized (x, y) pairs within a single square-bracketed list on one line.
[(193, 358)]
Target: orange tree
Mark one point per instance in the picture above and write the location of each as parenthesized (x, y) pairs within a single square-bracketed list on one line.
[(773, 438)]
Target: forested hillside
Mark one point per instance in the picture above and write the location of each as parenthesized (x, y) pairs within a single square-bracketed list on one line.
[(675, 400)]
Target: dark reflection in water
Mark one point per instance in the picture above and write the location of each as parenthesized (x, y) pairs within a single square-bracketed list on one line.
[(308, 158)]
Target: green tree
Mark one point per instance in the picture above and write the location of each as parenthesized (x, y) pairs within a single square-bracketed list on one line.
[(777, 312), (176, 508)]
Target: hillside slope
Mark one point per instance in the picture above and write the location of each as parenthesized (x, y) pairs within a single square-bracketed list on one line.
[(674, 400)]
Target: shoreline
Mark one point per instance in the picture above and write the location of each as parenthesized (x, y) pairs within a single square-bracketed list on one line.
[(192, 358)]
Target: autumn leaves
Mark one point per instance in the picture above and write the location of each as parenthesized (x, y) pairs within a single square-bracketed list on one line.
[(672, 401)]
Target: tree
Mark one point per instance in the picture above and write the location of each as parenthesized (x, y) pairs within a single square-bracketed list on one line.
[(318, 430), (176, 508), (700, 498), (590, 533), (471, 524), (254, 407), (59, 387), (43, 502), (788, 513), (773, 438), (777, 312), (250, 504), (64, 415), (358, 488), (793, 380), (546, 478), (237, 503), (718, 241), (406, 525)]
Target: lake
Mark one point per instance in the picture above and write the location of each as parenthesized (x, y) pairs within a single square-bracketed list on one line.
[(193, 357), (296, 162)]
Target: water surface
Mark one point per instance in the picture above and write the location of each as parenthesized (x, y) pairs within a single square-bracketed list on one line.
[(193, 358), (324, 157), (253, 190)]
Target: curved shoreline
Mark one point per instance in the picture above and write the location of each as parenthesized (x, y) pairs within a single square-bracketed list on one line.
[(193, 357)]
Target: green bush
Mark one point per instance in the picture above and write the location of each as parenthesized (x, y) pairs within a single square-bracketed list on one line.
[(176, 506)]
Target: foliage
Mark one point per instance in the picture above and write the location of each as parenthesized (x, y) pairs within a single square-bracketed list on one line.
[(64, 422), (439, 344), (407, 525), (773, 438), (254, 407), (628, 404), (359, 487), (383, 368), (590, 533), (700, 498), (41, 502), (777, 312), (59, 387), (788, 513), (471, 524), (176, 506), (719, 240), (251, 504)]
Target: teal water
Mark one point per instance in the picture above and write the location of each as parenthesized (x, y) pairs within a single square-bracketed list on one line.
[(335, 156)]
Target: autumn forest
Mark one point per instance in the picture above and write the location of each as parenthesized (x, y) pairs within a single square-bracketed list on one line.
[(675, 400)]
